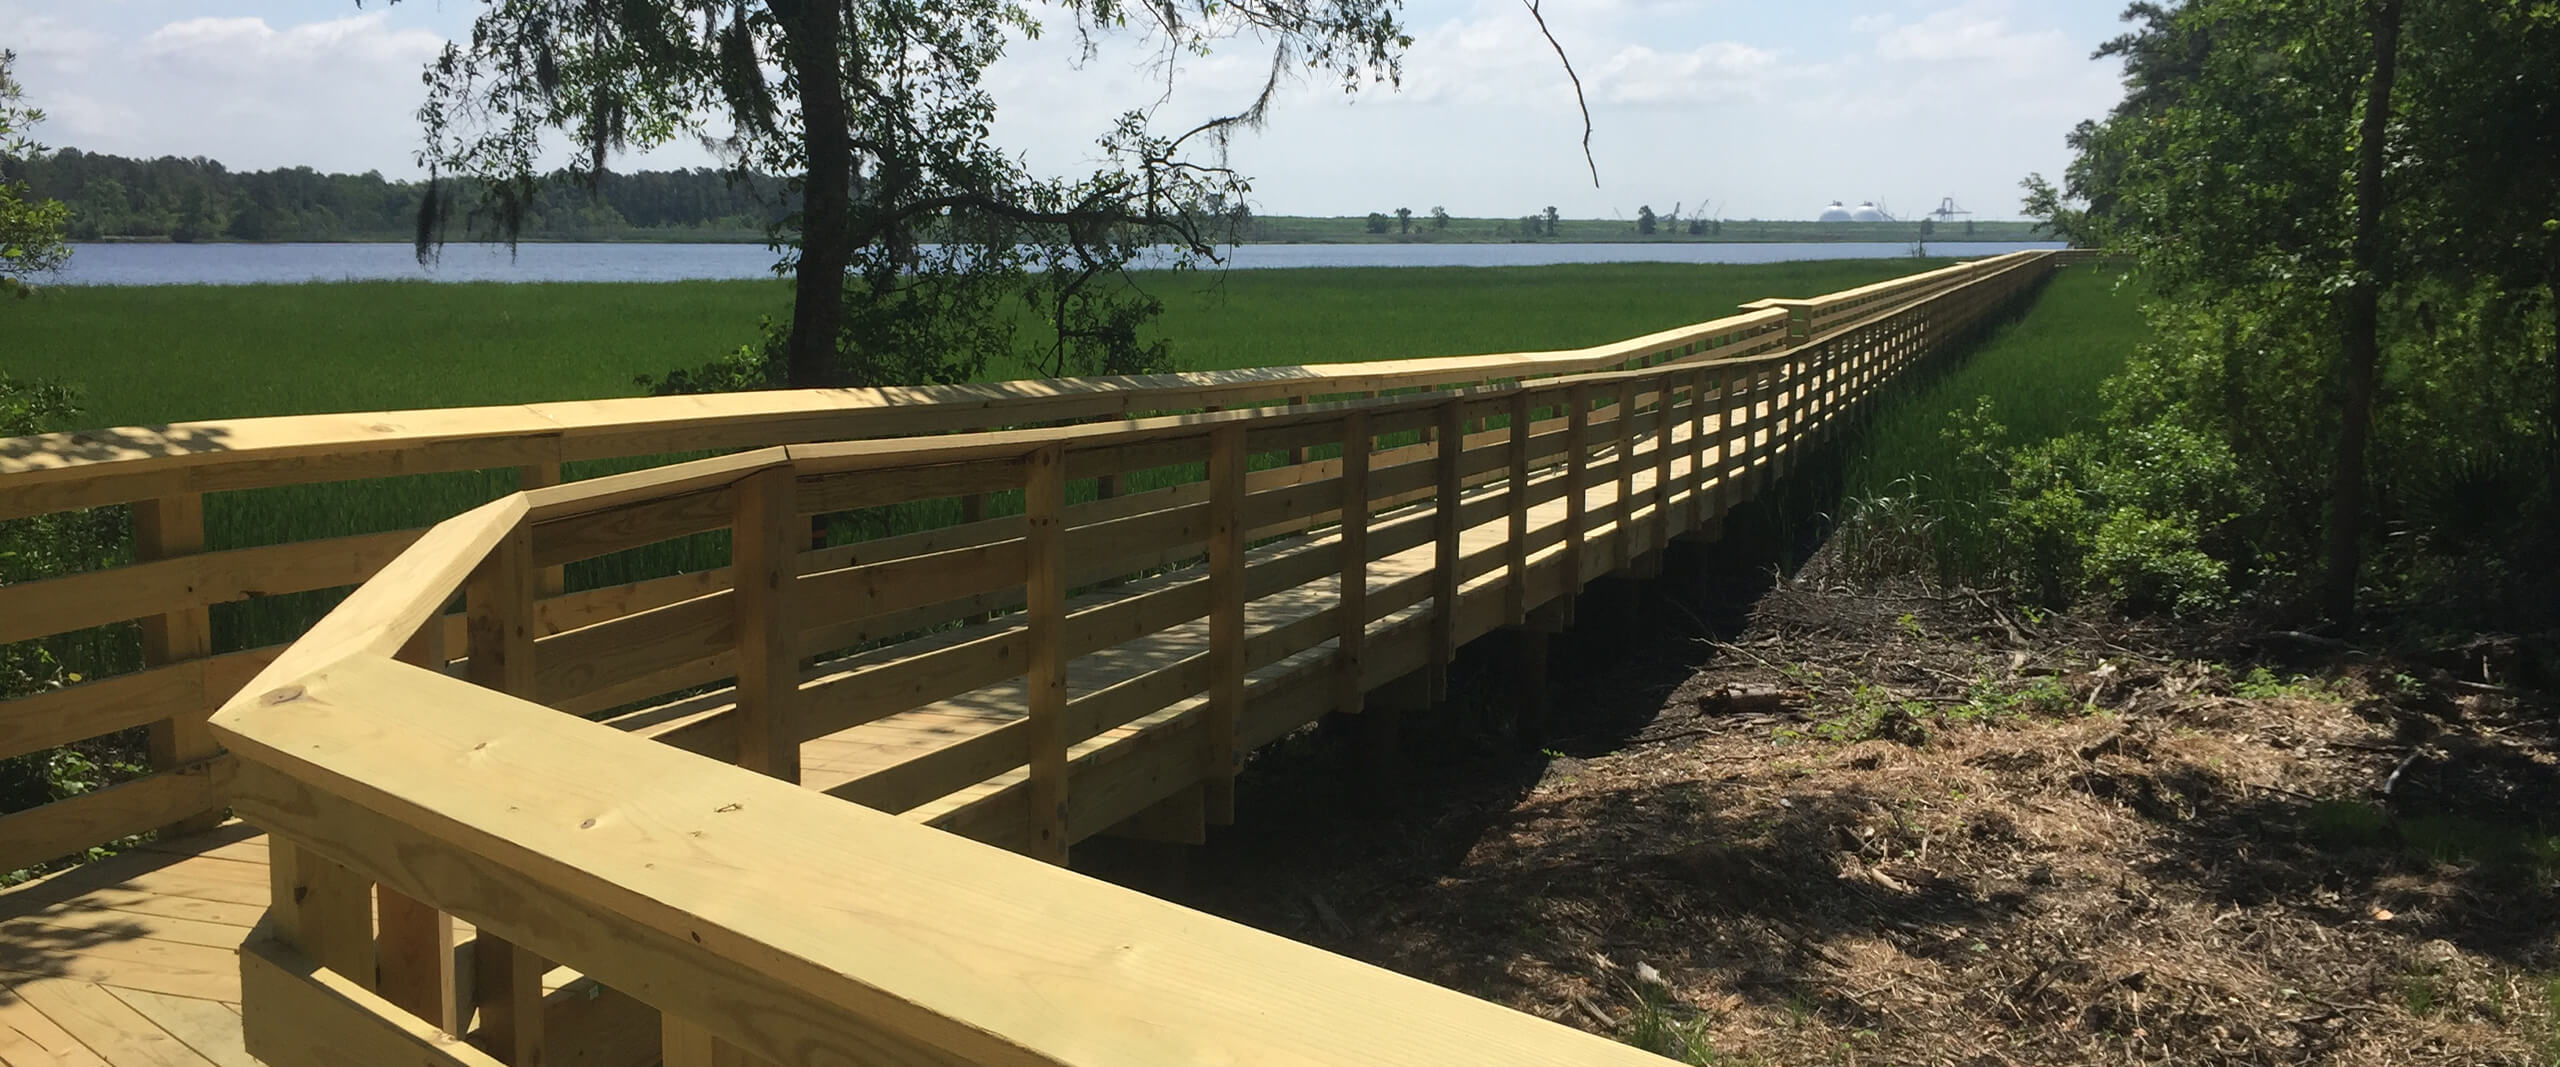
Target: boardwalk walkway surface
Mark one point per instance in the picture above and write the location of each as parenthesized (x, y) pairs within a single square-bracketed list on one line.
[(1023, 681)]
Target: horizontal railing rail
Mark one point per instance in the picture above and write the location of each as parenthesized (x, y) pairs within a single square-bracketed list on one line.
[(165, 473), (574, 788)]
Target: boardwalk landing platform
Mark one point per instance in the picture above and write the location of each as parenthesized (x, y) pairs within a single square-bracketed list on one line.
[(133, 961)]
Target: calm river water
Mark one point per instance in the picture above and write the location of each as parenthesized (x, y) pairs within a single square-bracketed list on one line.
[(254, 264)]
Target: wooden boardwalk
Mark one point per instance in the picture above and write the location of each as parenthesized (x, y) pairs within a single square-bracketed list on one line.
[(535, 762), (132, 962)]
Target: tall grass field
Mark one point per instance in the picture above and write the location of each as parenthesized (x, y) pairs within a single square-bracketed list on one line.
[(2040, 371), (143, 356)]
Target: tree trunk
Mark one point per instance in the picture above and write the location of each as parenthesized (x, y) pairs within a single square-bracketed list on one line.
[(2362, 355), (813, 40), (2551, 443)]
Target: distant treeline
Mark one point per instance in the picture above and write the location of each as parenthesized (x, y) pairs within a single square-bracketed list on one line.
[(173, 199)]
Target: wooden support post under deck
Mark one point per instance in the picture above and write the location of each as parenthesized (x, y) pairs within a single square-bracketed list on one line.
[(1226, 622), (683, 1044), (322, 909), (1521, 708), (553, 580), (506, 979), (1448, 502), (1044, 498), (1353, 597), (164, 528), (1515, 590), (1379, 734), (764, 561)]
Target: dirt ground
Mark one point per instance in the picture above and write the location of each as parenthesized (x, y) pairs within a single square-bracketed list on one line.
[(1913, 828)]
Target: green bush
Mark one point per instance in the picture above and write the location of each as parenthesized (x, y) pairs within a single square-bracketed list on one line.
[(45, 546), (2139, 517)]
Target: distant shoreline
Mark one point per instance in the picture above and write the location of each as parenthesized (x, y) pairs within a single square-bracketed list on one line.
[(1317, 230)]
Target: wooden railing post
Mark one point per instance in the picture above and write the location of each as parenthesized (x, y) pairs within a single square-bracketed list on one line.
[(1577, 485), (1349, 689), (555, 579), (1664, 427), (1447, 526), (414, 940), (764, 558), (1515, 593), (1700, 508), (165, 528), (1044, 590), (1226, 621), (506, 979), (1622, 547), (1297, 453)]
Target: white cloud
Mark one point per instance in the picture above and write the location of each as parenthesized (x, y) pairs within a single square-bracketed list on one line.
[(1977, 31), (1716, 72), (1909, 99)]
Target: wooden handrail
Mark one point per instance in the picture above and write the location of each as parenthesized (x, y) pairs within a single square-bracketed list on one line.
[(761, 919), (574, 520), (789, 925), (91, 468)]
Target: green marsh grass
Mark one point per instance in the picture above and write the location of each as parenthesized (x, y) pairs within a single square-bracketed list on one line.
[(2041, 371), (143, 356)]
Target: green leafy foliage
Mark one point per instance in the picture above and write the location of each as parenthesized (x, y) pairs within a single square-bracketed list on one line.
[(45, 546), (2227, 172), (31, 227)]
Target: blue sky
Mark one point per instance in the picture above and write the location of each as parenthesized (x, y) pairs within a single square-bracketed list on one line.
[(1766, 110)]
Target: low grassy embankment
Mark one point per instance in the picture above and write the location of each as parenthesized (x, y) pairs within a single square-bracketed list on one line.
[(151, 355), (2040, 371), (1354, 229)]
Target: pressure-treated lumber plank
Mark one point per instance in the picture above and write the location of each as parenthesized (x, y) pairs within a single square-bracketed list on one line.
[(206, 1027), (1045, 670), (687, 1045), (111, 948), (1353, 589), (1446, 529), (1623, 462), (171, 578), (30, 1038), (765, 546), (1220, 757), (91, 709), (116, 1032), (323, 909), (165, 528), (1577, 485), (417, 960), (385, 612), (296, 1014), (1516, 545), (531, 476), (926, 949), (506, 987), (58, 829)]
